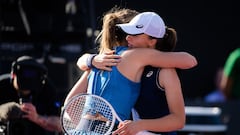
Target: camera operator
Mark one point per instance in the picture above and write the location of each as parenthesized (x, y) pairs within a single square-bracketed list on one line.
[(28, 100)]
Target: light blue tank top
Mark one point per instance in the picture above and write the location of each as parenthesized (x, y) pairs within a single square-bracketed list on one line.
[(119, 91)]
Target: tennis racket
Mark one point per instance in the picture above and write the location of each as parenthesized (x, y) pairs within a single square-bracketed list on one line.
[(88, 114)]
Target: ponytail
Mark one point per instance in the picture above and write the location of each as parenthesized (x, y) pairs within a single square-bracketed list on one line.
[(168, 42)]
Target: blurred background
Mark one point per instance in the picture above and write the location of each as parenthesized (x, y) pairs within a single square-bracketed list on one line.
[(59, 31)]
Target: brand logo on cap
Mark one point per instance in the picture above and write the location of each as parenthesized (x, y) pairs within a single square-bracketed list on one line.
[(139, 26)]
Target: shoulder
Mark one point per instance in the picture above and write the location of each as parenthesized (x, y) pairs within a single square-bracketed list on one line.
[(140, 54)]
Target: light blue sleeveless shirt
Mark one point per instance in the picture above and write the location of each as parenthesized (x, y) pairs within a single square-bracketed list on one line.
[(119, 91)]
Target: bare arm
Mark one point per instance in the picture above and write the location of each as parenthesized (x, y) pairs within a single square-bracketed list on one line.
[(79, 87), (174, 120), (182, 60), (50, 123), (136, 59)]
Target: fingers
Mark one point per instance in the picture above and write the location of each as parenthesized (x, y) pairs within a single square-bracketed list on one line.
[(116, 57), (120, 132), (109, 64), (107, 68), (28, 108), (122, 129), (110, 52), (111, 61), (29, 111), (105, 62), (111, 55)]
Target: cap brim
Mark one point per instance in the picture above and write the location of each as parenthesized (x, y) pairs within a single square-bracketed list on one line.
[(130, 29)]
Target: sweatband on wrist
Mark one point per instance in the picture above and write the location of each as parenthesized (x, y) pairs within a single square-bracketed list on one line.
[(89, 60)]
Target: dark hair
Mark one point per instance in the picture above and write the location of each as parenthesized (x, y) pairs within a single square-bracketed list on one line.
[(168, 42), (111, 36)]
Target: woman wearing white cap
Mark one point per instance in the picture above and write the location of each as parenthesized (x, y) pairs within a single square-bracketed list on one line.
[(138, 58), (160, 103)]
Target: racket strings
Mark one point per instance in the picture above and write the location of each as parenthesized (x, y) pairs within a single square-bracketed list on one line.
[(88, 115), (72, 113), (103, 115)]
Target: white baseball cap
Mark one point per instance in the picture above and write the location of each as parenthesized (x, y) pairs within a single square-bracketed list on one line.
[(148, 23)]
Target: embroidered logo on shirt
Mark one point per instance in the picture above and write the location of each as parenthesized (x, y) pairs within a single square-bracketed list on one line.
[(149, 74)]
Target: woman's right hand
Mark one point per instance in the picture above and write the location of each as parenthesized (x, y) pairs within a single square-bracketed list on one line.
[(105, 61)]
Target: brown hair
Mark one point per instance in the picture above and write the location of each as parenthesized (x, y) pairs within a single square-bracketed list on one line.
[(168, 42), (112, 36)]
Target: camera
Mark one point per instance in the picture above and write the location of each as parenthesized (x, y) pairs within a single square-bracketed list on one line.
[(30, 74)]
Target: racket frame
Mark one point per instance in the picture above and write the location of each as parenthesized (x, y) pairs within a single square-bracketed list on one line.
[(74, 98)]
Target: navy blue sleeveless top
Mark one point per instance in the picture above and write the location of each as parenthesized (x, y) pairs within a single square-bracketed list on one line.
[(152, 102)]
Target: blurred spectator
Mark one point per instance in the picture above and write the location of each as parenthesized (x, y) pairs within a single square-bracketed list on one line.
[(28, 104), (230, 83), (217, 94)]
